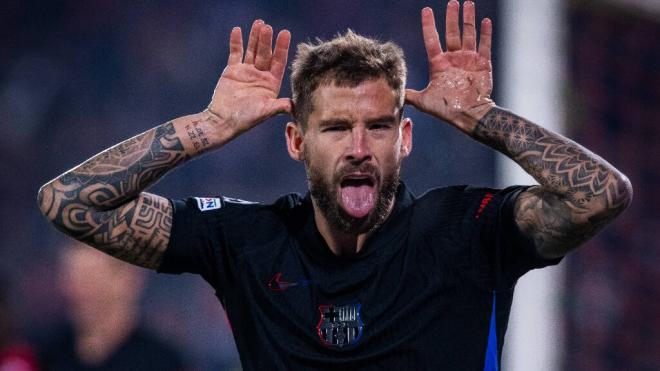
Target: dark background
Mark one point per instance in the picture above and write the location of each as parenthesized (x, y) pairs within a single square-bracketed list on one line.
[(77, 77)]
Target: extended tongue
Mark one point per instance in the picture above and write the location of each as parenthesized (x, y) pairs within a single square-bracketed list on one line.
[(358, 200)]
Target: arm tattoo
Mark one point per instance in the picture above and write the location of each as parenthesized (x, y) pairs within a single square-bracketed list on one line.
[(197, 136), (579, 193), (101, 201)]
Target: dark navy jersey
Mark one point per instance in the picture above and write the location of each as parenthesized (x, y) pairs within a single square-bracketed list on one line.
[(430, 290)]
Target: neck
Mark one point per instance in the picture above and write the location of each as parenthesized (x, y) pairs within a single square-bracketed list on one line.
[(339, 242)]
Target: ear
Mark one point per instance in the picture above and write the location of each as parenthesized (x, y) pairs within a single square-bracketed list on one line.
[(406, 137), (294, 141)]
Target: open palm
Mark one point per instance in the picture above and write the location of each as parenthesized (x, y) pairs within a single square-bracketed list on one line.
[(460, 78), (247, 91)]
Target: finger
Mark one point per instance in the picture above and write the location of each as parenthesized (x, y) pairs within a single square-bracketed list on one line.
[(235, 46), (430, 34), (278, 63), (469, 31), (486, 38), (264, 48), (252, 42), (413, 97), (452, 33)]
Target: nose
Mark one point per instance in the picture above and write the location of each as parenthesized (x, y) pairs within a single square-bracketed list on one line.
[(359, 150)]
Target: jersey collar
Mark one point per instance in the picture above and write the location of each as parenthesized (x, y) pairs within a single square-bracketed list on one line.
[(312, 242)]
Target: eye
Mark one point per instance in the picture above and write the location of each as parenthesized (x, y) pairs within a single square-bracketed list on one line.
[(333, 128), (380, 126)]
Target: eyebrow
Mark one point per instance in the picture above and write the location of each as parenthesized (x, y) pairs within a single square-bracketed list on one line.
[(384, 118)]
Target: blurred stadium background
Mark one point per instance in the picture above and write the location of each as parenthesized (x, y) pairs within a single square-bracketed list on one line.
[(78, 76)]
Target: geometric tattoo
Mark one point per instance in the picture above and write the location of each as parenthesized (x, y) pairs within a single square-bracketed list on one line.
[(579, 193), (102, 204)]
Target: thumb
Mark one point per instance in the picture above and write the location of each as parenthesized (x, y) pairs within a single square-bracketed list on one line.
[(413, 97), (283, 105)]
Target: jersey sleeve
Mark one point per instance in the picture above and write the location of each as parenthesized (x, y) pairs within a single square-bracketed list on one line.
[(198, 240), (498, 249), (475, 230)]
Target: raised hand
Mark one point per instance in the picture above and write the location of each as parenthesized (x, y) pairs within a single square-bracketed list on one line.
[(247, 91), (103, 200), (460, 78)]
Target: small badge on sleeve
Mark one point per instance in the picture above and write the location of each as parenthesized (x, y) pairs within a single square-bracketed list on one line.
[(208, 203)]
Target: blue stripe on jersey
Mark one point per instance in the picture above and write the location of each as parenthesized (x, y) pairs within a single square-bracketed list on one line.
[(491, 363)]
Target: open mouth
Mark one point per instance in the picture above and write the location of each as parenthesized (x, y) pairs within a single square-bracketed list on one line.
[(357, 182), (358, 194)]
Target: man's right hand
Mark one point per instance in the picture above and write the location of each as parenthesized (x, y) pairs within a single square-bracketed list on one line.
[(247, 91)]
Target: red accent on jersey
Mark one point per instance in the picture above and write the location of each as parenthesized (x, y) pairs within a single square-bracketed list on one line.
[(484, 202)]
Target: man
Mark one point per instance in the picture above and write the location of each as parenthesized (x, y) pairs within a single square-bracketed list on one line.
[(360, 274), (102, 296)]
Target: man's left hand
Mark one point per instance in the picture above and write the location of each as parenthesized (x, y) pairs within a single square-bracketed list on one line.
[(460, 78)]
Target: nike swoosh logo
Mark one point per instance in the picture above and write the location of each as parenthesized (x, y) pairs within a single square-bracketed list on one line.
[(276, 283)]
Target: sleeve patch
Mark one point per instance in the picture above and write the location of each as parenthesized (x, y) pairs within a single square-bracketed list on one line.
[(208, 203)]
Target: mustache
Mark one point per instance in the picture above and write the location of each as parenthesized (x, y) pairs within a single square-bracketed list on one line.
[(364, 168)]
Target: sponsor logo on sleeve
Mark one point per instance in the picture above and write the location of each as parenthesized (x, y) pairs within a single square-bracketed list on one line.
[(208, 203)]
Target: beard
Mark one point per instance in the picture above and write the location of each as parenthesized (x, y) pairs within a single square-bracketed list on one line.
[(327, 197)]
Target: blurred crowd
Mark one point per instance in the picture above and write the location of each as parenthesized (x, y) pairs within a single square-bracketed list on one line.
[(613, 293), (79, 76)]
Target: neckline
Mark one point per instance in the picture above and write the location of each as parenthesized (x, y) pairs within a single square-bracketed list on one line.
[(313, 243)]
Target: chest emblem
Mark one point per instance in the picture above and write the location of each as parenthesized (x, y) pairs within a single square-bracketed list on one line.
[(340, 325)]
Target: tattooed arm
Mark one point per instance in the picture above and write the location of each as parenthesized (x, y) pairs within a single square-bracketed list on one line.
[(102, 201), (579, 192)]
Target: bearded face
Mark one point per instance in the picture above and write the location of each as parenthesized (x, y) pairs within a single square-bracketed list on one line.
[(352, 147), (343, 190)]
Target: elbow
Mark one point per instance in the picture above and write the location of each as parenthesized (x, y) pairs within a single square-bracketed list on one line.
[(625, 192), (52, 204), (616, 198), (619, 196), (45, 200)]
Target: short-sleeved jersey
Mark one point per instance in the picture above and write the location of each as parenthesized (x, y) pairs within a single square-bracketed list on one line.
[(431, 288)]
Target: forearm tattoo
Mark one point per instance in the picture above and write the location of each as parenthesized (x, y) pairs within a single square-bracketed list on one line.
[(197, 136), (101, 201), (579, 193)]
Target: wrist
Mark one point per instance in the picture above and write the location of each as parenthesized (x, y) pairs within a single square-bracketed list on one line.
[(203, 132), (467, 120)]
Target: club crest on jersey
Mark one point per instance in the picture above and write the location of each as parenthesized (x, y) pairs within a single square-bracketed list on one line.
[(208, 203), (340, 325)]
